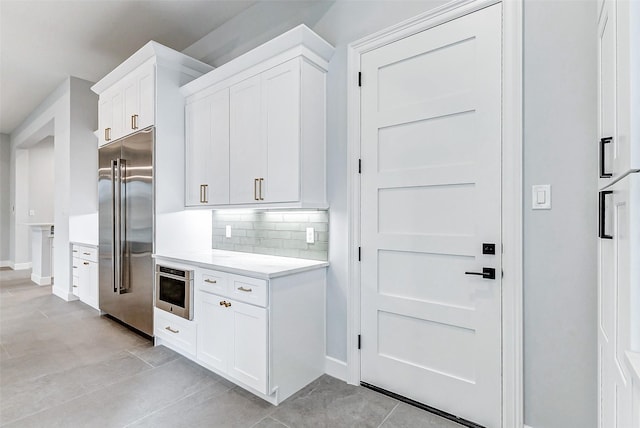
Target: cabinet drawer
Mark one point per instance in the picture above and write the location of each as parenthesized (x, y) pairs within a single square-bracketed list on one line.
[(177, 331), (86, 253), (212, 282), (249, 290)]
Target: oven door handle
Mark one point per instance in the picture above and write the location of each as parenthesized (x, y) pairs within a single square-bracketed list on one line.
[(168, 275)]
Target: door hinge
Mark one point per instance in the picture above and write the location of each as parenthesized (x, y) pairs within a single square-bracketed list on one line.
[(359, 166), (359, 254), (359, 342), (359, 78)]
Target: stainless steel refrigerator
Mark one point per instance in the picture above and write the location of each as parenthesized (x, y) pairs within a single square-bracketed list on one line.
[(126, 200)]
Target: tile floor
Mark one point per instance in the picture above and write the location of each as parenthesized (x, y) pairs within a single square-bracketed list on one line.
[(62, 365)]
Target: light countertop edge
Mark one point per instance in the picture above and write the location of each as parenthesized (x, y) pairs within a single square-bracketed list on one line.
[(633, 361), (260, 272)]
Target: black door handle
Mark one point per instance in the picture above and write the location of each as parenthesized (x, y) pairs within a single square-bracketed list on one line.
[(487, 273), (603, 173), (602, 211)]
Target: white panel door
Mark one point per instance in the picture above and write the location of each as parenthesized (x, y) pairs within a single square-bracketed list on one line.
[(607, 94), (618, 234), (214, 331), (247, 151), (281, 107), (248, 349), (431, 197)]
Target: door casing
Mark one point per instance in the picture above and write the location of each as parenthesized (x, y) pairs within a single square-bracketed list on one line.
[(512, 192)]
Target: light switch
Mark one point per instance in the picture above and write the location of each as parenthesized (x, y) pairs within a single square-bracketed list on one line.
[(541, 197), (311, 236), (32, 212), (227, 231)]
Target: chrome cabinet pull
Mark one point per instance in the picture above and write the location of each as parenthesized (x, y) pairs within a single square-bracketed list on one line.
[(205, 194), (246, 290), (134, 121), (171, 330), (210, 281), (202, 193), (255, 190), (107, 134)]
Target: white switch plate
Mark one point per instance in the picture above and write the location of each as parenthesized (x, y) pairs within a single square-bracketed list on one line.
[(32, 212), (311, 237), (541, 197), (227, 231)]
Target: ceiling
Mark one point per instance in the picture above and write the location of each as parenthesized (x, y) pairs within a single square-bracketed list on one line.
[(44, 42)]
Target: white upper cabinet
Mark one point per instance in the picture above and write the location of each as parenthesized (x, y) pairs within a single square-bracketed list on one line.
[(276, 120), (139, 98), (128, 95), (207, 150)]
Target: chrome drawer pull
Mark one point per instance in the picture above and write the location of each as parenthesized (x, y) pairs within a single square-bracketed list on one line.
[(171, 330), (210, 281), (247, 290)]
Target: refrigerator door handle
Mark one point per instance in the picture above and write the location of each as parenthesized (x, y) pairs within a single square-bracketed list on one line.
[(124, 245), (115, 226), (602, 211)]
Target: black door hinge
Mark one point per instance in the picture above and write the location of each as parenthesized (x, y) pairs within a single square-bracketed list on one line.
[(359, 78), (359, 341), (359, 254), (359, 166)]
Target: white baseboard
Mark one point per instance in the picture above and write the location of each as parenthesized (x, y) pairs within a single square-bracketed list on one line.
[(335, 368), (527, 426), (20, 266), (64, 294), (5, 263), (41, 280)]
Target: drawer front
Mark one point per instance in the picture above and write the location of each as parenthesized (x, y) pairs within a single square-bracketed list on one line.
[(75, 266), (177, 331), (249, 290), (85, 253), (212, 282)]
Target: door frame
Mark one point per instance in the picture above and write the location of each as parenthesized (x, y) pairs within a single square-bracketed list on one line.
[(512, 192)]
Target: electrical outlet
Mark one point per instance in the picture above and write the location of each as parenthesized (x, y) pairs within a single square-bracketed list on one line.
[(311, 236), (227, 231)]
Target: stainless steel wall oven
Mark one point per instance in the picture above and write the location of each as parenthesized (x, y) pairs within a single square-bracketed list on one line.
[(174, 291)]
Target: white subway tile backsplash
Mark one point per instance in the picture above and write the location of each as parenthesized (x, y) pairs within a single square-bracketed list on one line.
[(274, 233)]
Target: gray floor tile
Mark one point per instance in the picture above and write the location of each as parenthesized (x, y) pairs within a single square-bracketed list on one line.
[(227, 409), (328, 402), (269, 423), (155, 355), (406, 416)]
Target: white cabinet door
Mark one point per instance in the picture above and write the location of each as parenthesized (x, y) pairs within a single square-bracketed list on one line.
[(88, 283), (138, 91), (207, 150), (281, 110), (248, 150), (248, 347), (214, 331), (106, 118)]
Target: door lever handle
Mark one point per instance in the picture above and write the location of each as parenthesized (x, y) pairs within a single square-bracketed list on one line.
[(487, 273)]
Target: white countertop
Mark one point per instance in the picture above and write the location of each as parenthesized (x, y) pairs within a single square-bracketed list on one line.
[(248, 264)]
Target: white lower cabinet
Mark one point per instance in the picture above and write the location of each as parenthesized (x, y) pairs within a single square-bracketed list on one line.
[(265, 335), (232, 337), (178, 333), (85, 274)]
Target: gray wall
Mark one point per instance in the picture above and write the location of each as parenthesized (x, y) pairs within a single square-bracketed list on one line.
[(560, 245), (560, 125), (5, 166), (41, 181)]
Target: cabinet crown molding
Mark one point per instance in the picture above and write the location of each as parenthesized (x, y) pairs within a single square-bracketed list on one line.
[(162, 55), (300, 40)]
